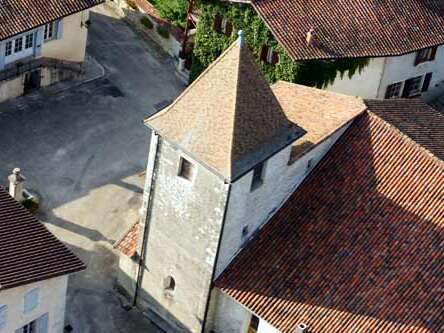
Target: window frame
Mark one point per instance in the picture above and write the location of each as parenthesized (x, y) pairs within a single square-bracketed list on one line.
[(426, 55), (3, 316), (32, 296), (29, 42), (18, 47), (9, 47), (50, 31), (257, 179), (269, 55), (416, 92), (182, 171), (401, 88)]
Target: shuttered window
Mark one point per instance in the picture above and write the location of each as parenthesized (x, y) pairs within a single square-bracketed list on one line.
[(3, 316), (425, 55), (31, 300), (269, 56)]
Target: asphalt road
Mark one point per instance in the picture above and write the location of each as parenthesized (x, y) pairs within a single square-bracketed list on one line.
[(82, 151)]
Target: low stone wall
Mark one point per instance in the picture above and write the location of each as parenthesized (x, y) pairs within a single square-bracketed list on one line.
[(171, 45)]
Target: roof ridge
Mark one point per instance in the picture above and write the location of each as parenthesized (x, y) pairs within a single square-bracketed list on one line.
[(190, 87), (407, 138), (236, 98)]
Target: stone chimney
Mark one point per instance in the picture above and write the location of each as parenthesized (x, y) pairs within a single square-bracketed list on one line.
[(311, 37), (16, 184)]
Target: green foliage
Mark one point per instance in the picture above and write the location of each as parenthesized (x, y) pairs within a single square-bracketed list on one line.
[(210, 44), (163, 31), (175, 11), (146, 22)]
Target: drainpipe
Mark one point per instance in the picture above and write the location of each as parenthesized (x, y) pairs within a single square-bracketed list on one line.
[(145, 211)]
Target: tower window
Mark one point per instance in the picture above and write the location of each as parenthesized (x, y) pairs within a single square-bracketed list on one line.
[(186, 169), (169, 285), (258, 176), (254, 324)]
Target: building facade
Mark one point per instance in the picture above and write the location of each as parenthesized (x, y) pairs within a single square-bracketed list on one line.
[(34, 270), (34, 55)]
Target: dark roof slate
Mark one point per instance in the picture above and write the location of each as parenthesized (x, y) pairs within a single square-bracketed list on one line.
[(28, 251)]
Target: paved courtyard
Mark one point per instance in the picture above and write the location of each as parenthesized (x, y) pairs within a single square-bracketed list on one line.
[(83, 151)]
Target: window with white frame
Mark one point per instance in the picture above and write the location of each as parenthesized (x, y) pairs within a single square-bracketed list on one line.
[(3, 316), (50, 31), (18, 45), (268, 55), (412, 87), (29, 40), (31, 300), (394, 90), (39, 325), (8, 48)]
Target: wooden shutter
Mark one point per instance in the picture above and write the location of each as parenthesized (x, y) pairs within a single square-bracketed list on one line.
[(405, 92), (228, 29), (31, 300), (433, 54), (218, 23), (418, 58), (426, 84), (3, 313), (388, 91), (42, 324), (264, 53), (274, 58)]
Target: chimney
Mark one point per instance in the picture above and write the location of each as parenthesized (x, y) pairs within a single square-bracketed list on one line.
[(301, 328), (16, 184), (311, 37)]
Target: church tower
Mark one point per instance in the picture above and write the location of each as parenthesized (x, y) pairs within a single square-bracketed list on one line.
[(220, 131)]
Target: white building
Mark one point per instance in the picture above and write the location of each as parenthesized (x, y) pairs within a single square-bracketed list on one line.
[(401, 39), (270, 208), (34, 268), (41, 42)]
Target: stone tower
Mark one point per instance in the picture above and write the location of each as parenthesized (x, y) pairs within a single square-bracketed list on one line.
[(217, 134)]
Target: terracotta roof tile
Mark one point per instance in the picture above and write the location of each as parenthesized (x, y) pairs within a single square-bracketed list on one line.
[(229, 117), (416, 119), (358, 247), (128, 244), (350, 28), (28, 251), (320, 113), (17, 16)]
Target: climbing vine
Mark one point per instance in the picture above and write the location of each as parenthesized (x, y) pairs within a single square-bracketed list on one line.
[(209, 44)]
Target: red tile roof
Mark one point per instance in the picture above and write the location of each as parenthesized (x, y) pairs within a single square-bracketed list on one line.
[(350, 28), (128, 244), (17, 16), (28, 251), (359, 247), (416, 119)]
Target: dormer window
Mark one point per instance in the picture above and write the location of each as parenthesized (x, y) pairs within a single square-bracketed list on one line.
[(223, 26), (258, 176), (269, 56), (186, 169), (425, 55)]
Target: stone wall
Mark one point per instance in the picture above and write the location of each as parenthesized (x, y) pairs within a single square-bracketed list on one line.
[(184, 227)]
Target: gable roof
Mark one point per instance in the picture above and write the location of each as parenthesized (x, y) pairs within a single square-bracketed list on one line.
[(350, 28), (228, 118), (319, 112), (357, 247), (17, 16), (28, 251)]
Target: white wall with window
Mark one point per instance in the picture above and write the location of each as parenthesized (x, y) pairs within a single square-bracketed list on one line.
[(256, 196), (415, 74), (35, 308)]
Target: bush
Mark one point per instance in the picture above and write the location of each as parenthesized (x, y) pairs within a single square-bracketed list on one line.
[(163, 31), (146, 22), (174, 11), (132, 4)]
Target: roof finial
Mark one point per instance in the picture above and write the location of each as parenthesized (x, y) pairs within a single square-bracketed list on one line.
[(241, 38)]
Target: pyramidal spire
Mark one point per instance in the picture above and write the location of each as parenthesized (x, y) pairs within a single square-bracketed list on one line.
[(228, 118)]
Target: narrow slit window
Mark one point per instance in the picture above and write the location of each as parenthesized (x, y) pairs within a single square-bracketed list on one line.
[(186, 169), (258, 176), (254, 324)]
